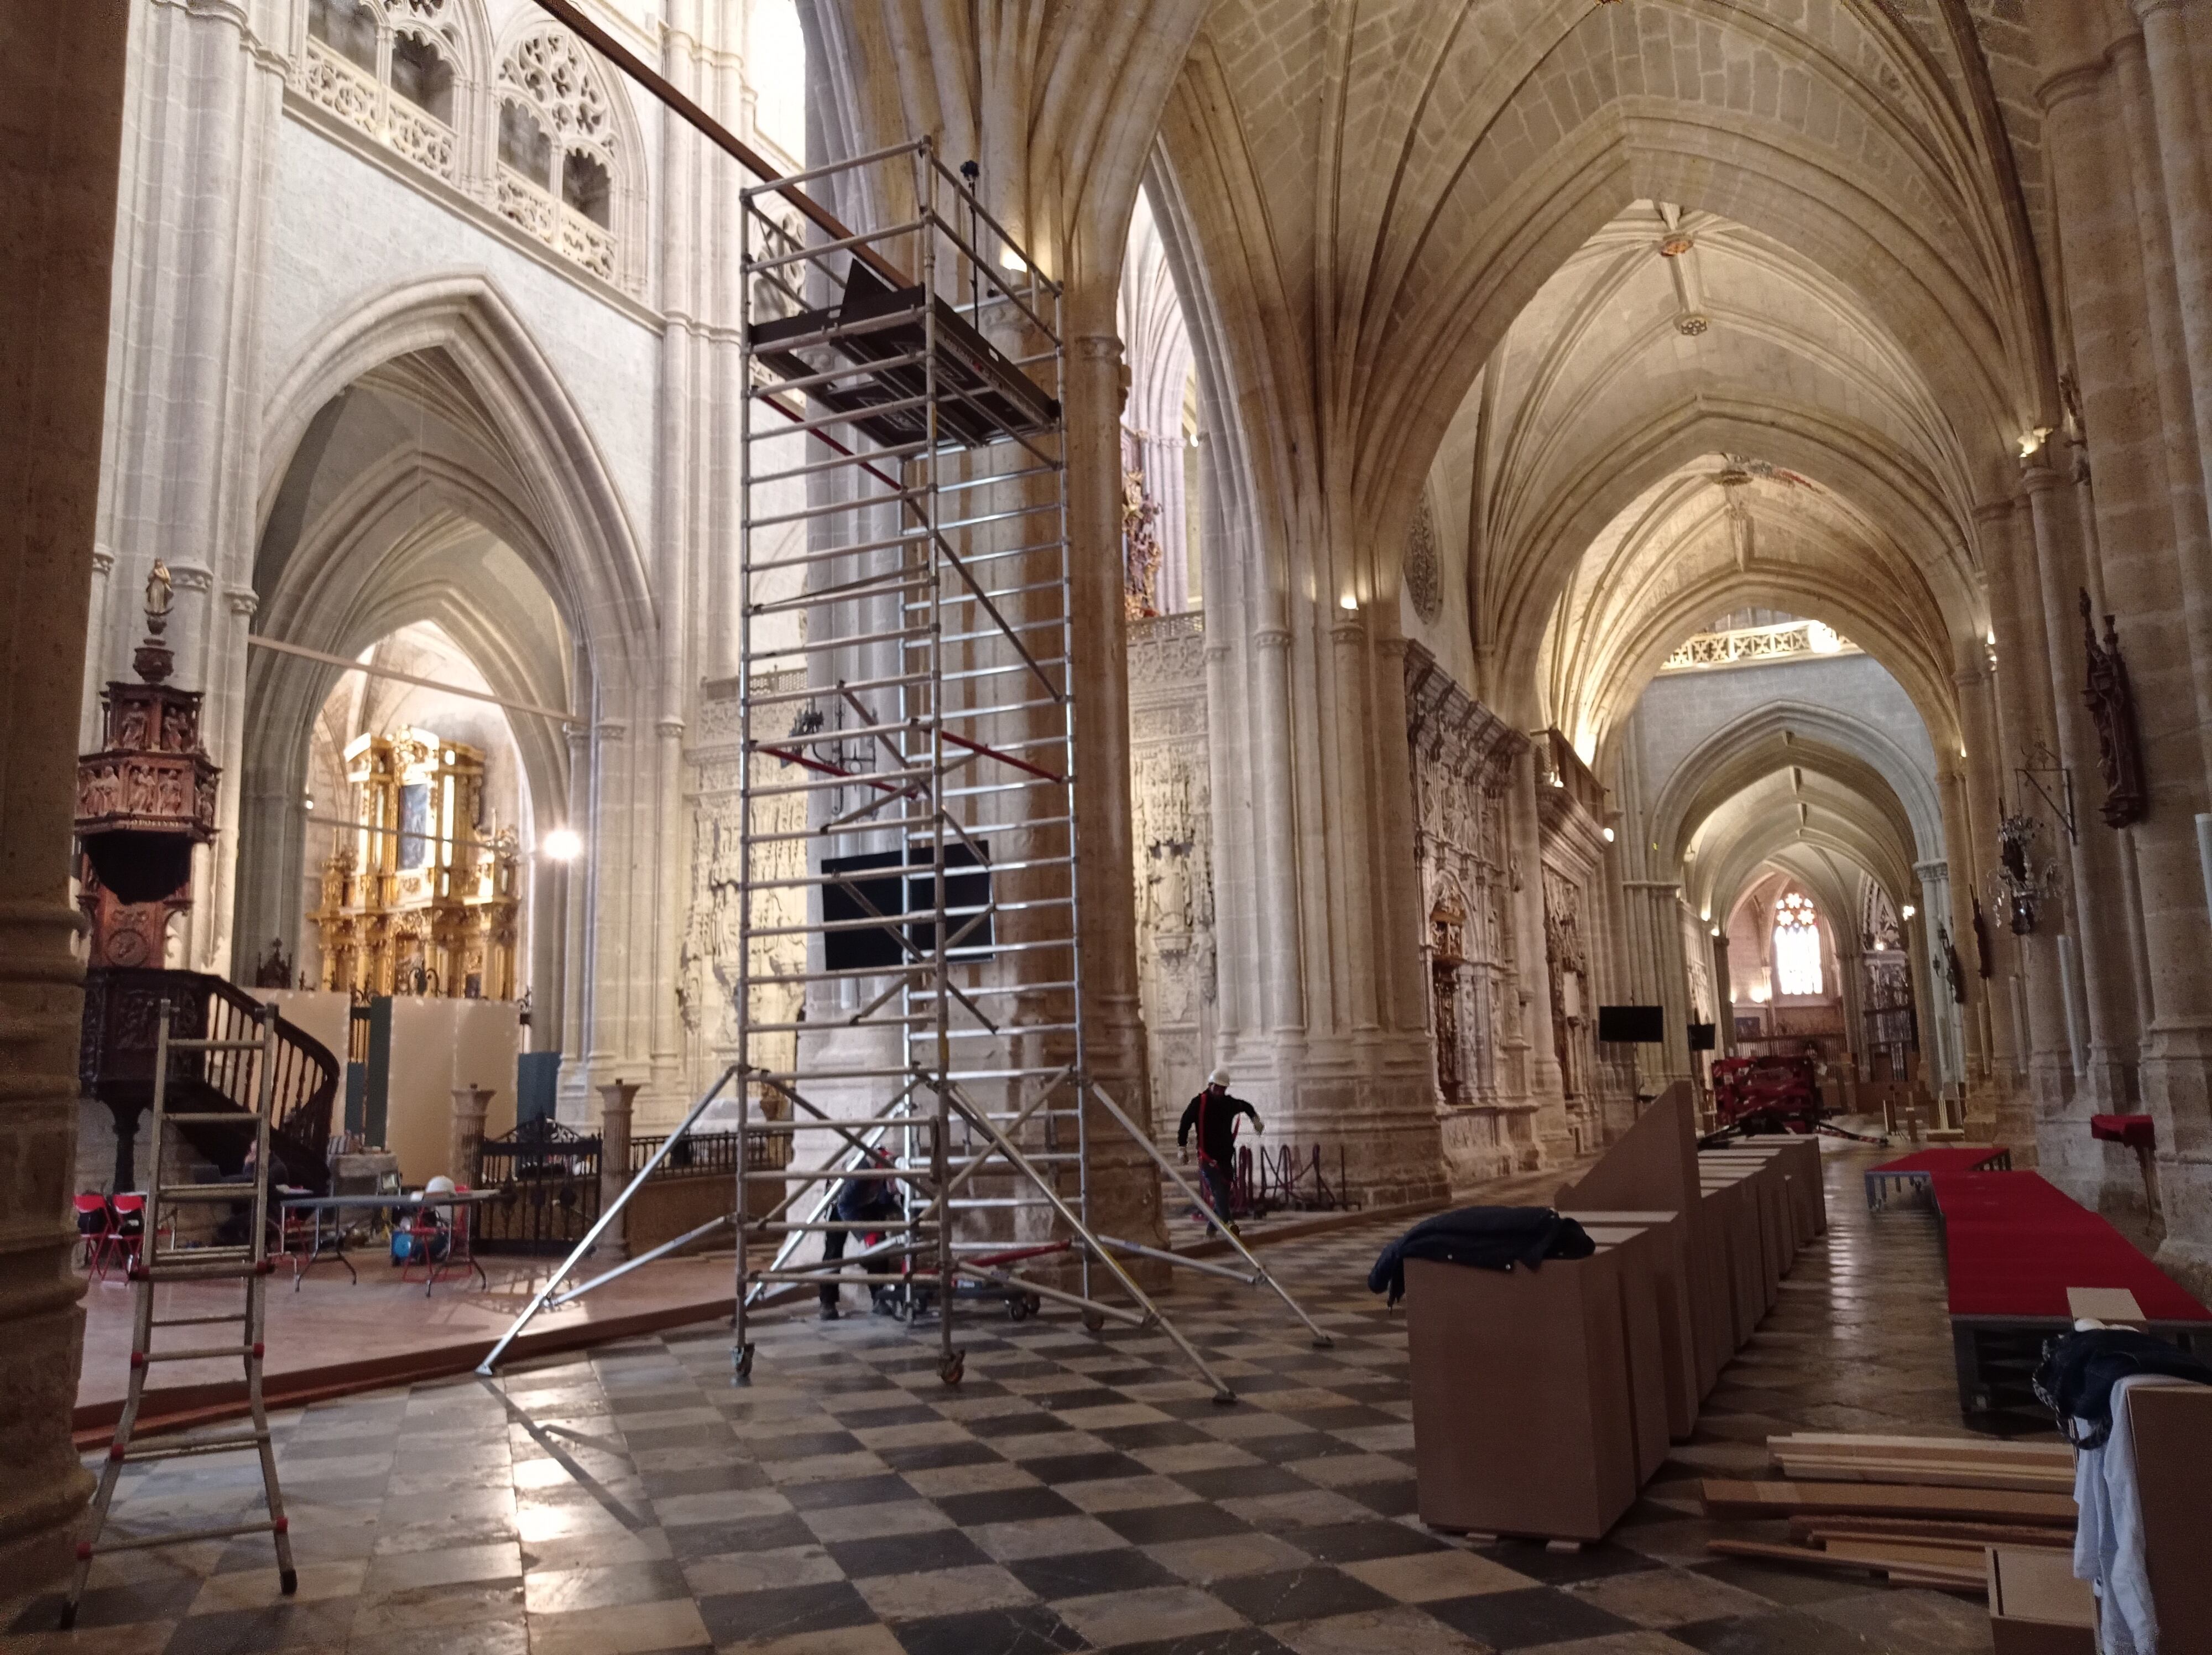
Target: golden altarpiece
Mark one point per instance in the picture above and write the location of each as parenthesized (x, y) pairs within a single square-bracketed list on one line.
[(418, 899)]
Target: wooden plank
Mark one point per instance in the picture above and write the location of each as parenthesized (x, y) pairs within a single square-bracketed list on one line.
[(2108, 1305), (1927, 1447), (1887, 1552), (1935, 1476), (1726, 1497), (1808, 1529), (1901, 1571)]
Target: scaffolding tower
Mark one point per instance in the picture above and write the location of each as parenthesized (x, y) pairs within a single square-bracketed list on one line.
[(910, 1002), (911, 381)]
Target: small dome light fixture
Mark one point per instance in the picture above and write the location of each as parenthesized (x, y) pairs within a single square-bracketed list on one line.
[(1607, 832), (563, 844)]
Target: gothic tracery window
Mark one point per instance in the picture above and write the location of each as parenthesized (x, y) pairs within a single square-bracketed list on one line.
[(536, 135), (557, 149), (387, 67), (1796, 946)]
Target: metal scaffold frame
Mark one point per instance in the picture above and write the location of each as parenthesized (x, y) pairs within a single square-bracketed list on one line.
[(908, 822)]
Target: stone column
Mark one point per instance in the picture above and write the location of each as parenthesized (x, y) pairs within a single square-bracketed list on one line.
[(2150, 524), (616, 1098), (2100, 947), (1124, 1186), (2008, 1121), (466, 1133), (61, 120), (2023, 725), (181, 478), (2176, 90), (1724, 1007)]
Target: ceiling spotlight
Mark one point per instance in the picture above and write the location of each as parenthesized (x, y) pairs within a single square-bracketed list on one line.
[(563, 845)]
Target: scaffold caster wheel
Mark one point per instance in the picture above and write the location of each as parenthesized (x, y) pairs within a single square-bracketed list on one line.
[(1094, 1320), (68, 1617), (1223, 1398), (1322, 1341), (744, 1365), (287, 1581), (953, 1368)]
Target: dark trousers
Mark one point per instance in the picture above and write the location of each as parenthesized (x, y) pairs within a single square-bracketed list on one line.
[(1213, 1185), (832, 1250)]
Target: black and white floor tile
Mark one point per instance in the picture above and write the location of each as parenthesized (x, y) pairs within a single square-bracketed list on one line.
[(1078, 1491)]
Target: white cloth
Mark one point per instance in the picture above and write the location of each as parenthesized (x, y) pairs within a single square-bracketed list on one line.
[(2108, 1538)]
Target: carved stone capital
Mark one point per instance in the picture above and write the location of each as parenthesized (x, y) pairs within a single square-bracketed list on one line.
[(191, 577), (102, 560), (1271, 637), (1098, 347), (244, 603), (2037, 477), (670, 729)]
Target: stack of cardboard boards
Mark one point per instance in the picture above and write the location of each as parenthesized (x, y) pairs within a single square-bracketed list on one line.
[(1543, 1399)]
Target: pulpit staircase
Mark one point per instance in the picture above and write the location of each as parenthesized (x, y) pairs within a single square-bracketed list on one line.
[(116, 1064)]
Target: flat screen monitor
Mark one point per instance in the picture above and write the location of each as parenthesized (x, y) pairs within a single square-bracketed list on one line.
[(1639, 1025), (868, 887)]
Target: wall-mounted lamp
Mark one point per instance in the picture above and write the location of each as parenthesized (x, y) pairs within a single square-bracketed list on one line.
[(1717, 930), (2030, 439), (1347, 601), (563, 845), (1608, 834), (1908, 910)]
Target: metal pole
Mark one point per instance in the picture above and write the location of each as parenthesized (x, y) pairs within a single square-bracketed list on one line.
[(583, 1247), (1320, 1340)]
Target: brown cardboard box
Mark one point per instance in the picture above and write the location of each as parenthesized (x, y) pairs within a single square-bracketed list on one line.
[(1653, 1167), (2172, 1427), (1636, 1250), (1522, 1412), (1669, 1263), (2036, 1605)]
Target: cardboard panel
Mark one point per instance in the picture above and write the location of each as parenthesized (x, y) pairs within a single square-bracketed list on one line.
[(1522, 1417)]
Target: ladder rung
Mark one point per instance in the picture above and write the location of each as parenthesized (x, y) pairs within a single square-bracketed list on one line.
[(178, 1537), (226, 1118), (243, 1264), (195, 1321), (169, 1451), (207, 1192), (197, 1354)]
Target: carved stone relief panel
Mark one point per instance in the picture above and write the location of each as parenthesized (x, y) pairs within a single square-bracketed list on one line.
[(1462, 758), (1171, 789), (708, 974)]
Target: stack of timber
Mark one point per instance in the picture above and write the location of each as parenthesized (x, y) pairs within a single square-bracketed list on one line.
[(1920, 1510)]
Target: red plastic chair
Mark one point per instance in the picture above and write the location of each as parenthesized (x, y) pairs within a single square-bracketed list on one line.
[(98, 1239), (127, 1242)]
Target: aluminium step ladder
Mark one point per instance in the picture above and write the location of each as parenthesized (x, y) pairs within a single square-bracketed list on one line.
[(248, 1263)]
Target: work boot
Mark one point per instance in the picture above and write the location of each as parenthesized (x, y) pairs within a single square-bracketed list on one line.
[(829, 1310)]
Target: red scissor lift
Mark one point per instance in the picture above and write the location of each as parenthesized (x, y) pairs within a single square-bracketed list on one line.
[(1762, 1095)]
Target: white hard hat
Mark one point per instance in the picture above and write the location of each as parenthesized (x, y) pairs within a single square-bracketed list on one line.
[(1219, 1077), (440, 1185)]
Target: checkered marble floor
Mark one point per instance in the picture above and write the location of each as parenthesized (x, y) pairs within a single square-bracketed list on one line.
[(1078, 1491)]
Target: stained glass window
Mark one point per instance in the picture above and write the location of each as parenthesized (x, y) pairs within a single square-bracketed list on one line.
[(1796, 946)]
